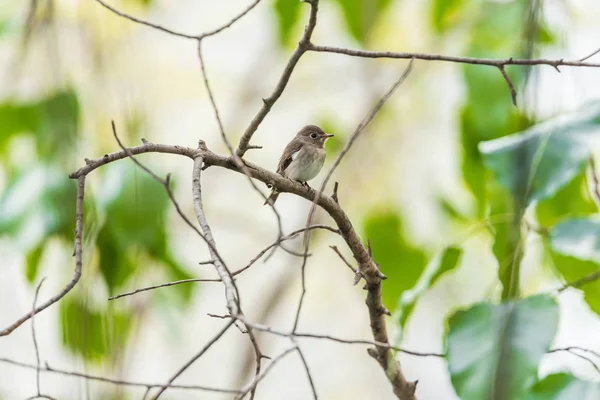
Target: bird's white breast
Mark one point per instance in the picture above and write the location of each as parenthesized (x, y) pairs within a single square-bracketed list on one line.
[(305, 164)]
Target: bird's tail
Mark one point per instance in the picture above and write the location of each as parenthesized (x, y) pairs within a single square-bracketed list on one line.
[(272, 198)]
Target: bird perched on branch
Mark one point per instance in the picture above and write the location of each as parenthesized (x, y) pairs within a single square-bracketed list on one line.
[(302, 158)]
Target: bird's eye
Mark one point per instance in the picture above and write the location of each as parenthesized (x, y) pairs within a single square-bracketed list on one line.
[(313, 135)]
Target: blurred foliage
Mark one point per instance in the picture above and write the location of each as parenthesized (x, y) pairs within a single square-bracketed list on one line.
[(53, 121), (574, 245), (288, 13), (491, 347), (96, 336), (572, 200), (447, 261), (400, 260), (563, 387), (360, 16), (135, 229), (494, 350)]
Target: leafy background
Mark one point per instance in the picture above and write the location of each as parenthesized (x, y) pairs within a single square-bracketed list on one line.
[(433, 184)]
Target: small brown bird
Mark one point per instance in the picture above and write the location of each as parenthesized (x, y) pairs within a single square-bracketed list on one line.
[(303, 157)]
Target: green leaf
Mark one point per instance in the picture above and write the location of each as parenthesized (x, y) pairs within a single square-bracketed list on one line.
[(494, 350), (571, 201), (564, 387), (54, 121), (95, 336), (575, 251), (361, 15), (436, 268), (579, 238), (38, 203), (287, 12), (536, 163), (135, 229), (399, 260)]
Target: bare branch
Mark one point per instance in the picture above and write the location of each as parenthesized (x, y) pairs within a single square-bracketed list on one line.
[(511, 87), (162, 285), (461, 60), (257, 379), (111, 381), (303, 46), (308, 374), (571, 350), (231, 293), (194, 359), (78, 261), (180, 34), (146, 23), (590, 55), (35, 344), (239, 271)]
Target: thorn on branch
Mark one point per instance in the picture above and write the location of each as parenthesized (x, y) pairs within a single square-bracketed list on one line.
[(87, 161), (144, 141), (511, 87), (334, 196), (206, 262), (254, 147)]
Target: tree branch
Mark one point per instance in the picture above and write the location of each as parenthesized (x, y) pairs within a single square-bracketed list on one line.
[(303, 46)]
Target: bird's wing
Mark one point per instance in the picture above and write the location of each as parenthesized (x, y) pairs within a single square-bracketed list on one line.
[(290, 152)]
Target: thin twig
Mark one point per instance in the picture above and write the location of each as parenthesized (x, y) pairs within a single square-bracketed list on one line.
[(511, 87), (571, 350), (307, 369), (337, 251), (581, 281), (461, 60), (146, 23), (111, 381), (258, 378), (370, 115), (590, 55), (194, 359), (35, 344), (239, 271), (162, 285)]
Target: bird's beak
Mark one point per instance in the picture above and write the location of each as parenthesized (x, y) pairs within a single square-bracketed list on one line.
[(328, 135)]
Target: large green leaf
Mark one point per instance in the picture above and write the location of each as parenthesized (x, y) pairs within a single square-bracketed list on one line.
[(494, 350), (564, 387), (360, 16), (401, 261), (575, 250), (571, 201), (536, 163), (436, 268), (287, 12)]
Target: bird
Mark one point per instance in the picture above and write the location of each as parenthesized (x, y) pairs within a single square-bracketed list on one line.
[(302, 158)]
